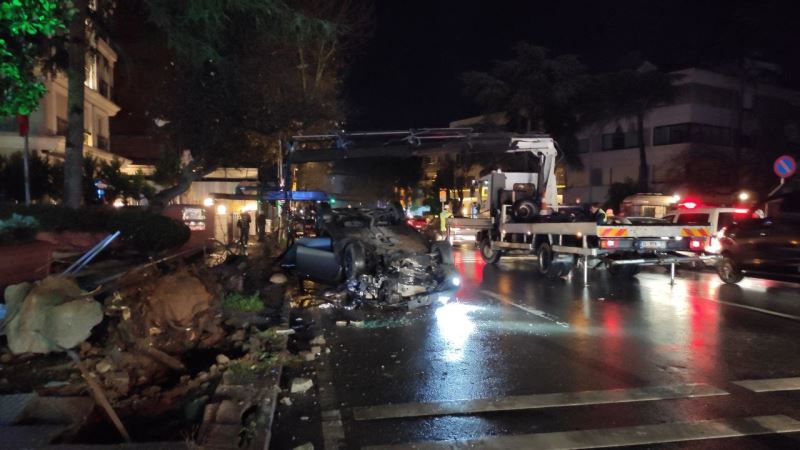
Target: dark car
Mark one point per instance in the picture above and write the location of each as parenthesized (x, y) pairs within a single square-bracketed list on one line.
[(768, 246), (378, 255)]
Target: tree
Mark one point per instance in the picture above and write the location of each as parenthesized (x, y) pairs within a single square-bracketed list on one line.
[(536, 91), (27, 28), (76, 76), (230, 85), (628, 93)]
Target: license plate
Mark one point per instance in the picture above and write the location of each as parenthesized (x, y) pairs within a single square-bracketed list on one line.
[(652, 244)]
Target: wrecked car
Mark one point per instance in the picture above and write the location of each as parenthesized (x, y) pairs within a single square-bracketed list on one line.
[(381, 259)]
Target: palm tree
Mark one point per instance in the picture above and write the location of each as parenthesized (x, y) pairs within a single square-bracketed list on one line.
[(537, 92), (629, 93)]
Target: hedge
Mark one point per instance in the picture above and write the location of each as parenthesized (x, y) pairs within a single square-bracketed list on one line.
[(143, 230)]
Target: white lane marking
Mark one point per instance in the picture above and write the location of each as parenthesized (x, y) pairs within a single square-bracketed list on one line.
[(618, 437), (535, 312), (771, 384), (757, 309), (536, 401)]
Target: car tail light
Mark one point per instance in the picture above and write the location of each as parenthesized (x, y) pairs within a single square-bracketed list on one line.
[(696, 244), (608, 243)]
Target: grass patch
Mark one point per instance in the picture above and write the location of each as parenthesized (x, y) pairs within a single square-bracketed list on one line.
[(241, 302)]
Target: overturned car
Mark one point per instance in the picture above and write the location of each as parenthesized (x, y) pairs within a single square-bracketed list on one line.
[(382, 259)]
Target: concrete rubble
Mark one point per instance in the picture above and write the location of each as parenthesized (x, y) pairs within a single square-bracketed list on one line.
[(301, 385)]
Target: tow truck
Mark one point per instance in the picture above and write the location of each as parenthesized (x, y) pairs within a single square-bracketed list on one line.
[(519, 214), (525, 219)]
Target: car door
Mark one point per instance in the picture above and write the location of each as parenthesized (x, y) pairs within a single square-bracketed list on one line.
[(783, 246), (746, 237)]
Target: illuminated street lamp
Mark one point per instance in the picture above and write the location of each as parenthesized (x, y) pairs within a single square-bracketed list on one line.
[(744, 196)]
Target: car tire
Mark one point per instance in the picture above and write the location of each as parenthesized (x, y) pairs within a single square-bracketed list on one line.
[(547, 264), (354, 261), (444, 251), (524, 210), (489, 256), (729, 271)]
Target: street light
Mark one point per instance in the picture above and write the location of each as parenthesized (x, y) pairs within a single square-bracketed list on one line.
[(744, 196)]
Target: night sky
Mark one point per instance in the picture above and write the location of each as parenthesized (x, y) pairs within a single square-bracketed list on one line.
[(408, 73)]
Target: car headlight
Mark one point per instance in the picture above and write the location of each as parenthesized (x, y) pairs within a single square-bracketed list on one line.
[(455, 280)]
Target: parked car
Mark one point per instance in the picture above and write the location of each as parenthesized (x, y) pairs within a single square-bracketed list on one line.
[(768, 246), (418, 222)]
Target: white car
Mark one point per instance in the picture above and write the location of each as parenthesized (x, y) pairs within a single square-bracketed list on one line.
[(718, 218)]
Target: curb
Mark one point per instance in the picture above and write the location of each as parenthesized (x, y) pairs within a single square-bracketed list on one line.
[(232, 404)]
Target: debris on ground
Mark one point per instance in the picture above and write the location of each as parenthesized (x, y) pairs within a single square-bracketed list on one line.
[(153, 345), (54, 314), (278, 278), (301, 385)]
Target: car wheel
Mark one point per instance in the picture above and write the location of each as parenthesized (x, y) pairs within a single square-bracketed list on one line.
[(355, 261), (728, 271), (524, 210), (489, 255), (546, 262)]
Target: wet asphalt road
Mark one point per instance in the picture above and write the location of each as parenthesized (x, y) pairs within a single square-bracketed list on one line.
[(512, 333)]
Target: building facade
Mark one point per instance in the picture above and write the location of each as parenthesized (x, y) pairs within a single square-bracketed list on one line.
[(48, 124), (705, 119)]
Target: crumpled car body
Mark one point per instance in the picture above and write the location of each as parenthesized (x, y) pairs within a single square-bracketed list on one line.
[(379, 257)]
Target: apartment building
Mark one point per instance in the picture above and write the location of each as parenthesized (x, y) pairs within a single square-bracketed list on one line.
[(705, 117), (48, 124)]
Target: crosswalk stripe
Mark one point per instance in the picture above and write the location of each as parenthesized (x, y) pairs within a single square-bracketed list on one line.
[(771, 385), (536, 401), (617, 437)]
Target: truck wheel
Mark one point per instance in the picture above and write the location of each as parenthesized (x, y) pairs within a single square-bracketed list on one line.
[(728, 271), (547, 266), (444, 251), (624, 271), (524, 210), (489, 256), (354, 261)]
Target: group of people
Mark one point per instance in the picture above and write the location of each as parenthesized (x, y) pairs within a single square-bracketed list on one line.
[(244, 227)]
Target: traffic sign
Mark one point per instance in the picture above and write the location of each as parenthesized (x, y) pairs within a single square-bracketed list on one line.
[(785, 166)]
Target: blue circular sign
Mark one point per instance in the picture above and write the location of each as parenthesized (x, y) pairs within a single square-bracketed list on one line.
[(785, 166)]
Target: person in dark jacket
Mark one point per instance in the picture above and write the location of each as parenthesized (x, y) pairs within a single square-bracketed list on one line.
[(598, 215)]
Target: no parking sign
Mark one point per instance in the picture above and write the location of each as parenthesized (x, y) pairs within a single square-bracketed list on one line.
[(785, 166)]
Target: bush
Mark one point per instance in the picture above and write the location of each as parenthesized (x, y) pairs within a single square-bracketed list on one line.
[(18, 228), (143, 230)]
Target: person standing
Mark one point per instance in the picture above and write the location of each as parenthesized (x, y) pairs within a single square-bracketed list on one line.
[(598, 215), (261, 225), (244, 228), (443, 216)]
